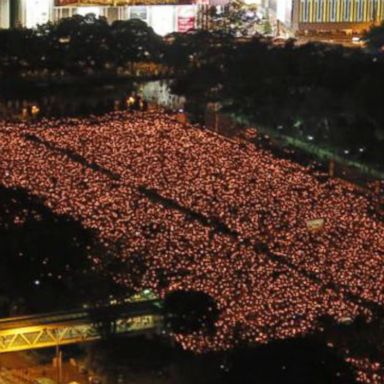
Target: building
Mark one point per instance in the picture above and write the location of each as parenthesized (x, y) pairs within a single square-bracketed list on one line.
[(330, 15), (164, 16), (4, 14)]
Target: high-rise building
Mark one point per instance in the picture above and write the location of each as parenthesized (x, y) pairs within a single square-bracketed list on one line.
[(4, 14), (167, 16), (323, 15)]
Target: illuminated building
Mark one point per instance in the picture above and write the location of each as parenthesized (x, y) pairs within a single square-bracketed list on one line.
[(323, 15), (4, 13), (167, 16), (164, 16)]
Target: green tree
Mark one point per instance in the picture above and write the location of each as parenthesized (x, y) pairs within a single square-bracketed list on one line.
[(134, 40)]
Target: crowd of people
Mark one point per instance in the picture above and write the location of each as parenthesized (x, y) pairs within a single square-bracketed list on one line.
[(193, 210)]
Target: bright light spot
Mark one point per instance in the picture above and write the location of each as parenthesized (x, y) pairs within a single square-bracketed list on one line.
[(35, 110), (163, 19), (37, 12), (64, 40), (83, 11)]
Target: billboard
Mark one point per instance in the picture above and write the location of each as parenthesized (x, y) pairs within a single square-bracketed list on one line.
[(63, 3), (59, 3), (186, 18)]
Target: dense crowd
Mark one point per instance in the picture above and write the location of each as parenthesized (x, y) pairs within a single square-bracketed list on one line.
[(192, 210)]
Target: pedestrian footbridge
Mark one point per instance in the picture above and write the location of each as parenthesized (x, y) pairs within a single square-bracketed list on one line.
[(139, 314)]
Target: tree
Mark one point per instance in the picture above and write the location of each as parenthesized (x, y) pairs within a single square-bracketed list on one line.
[(190, 311), (134, 40), (78, 44), (19, 51), (374, 37)]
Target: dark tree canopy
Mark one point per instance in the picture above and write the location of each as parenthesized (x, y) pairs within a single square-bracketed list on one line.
[(78, 45), (190, 311), (374, 38)]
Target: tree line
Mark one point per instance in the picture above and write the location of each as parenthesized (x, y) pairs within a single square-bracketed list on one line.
[(77, 46), (324, 95)]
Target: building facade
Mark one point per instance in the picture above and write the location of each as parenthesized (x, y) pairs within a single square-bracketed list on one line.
[(323, 15), (164, 16), (4, 14)]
